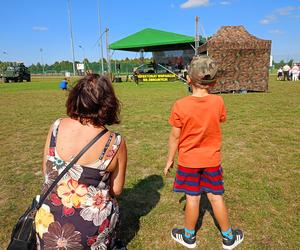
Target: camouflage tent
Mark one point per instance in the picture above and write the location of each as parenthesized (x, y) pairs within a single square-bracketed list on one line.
[(243, 59)]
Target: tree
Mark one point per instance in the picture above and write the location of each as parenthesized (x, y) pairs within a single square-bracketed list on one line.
[(291, 62)]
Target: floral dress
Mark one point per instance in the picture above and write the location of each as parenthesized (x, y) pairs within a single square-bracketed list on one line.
[(79, 213)]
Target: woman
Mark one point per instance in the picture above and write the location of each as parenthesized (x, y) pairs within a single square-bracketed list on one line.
[(81, 212)]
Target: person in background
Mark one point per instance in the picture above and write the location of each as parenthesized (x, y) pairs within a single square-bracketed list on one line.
[(279, 74), (64, 84), (295, 72), (82, 212), (286, 69), (135, 76), (196, 134)]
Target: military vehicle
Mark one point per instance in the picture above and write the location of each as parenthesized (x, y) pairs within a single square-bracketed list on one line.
[(16, 72)]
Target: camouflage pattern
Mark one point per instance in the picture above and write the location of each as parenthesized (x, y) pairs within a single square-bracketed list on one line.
[(202, 70), (243, 60)]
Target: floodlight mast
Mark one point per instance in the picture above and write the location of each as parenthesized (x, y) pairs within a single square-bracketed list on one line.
[(107, 51), (5, 53), (42, 60), (71, 36), (197, 38), (101, 41), (83, 50)]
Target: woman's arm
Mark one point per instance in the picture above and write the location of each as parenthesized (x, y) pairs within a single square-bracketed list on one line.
[(46, 150), (118, 175), (173, 145)]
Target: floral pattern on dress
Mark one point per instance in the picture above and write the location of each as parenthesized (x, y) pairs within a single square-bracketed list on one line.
[(50, 176), (79, 213), (43, 219), (59, 165), (72, 193), (104, 163), (62, 237), (97, 206)]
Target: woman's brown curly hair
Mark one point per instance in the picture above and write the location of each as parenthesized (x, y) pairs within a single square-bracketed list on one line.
[(93, 100)]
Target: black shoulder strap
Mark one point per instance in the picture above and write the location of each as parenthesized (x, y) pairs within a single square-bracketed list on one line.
[(70, 165)]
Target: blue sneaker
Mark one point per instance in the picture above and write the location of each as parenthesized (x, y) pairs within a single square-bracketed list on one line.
[(179, 236), (238, 237)]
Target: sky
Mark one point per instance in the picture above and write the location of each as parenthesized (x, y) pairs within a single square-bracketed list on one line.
[(35, 29)]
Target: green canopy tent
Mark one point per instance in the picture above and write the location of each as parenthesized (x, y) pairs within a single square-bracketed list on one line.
[(171, 52), (152, 40)]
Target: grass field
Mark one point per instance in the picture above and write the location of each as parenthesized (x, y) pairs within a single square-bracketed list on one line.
[(261, 161)]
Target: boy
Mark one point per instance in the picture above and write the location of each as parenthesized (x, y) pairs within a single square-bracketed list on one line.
[(196, 133), (64, 84)]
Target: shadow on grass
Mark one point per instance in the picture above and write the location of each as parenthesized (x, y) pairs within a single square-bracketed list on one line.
[(136, 202), (205, 206)]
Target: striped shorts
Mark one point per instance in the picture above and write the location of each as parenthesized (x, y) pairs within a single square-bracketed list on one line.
[(194, 181)]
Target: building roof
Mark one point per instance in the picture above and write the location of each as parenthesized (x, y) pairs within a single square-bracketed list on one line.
[(151, 40)]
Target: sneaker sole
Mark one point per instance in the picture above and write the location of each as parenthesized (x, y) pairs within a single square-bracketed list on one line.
[(183, 243), (234, 245)]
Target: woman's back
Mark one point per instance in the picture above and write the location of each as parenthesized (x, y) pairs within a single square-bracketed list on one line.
[(81, 212), (73, 136)]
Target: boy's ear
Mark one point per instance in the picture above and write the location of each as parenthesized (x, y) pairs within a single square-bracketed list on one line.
[(188, 79)]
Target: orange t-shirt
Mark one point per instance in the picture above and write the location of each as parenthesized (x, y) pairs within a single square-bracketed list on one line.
[(200, 139)]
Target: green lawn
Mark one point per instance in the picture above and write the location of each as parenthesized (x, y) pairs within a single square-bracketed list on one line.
[(261, 161)]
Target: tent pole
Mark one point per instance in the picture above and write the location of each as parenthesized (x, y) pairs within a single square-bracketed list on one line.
[(197, 36), (170, 71)]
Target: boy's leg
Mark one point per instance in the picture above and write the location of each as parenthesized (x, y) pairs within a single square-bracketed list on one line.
[(186, 181), (191, 211), (186, 236), (231, 238), (213, 185), (220, 210)]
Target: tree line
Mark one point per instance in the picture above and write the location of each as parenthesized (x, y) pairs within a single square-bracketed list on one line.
[(122, 66), (117, 66), (281, 63)]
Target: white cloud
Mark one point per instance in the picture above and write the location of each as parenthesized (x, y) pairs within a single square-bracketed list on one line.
[(276, 31), (39, 29), (289, 11), (268, 19), (194, 3), (286, 11), (225, 3)]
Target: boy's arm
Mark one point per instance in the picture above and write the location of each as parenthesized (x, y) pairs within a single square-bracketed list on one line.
[(173, 145), (223, 115)]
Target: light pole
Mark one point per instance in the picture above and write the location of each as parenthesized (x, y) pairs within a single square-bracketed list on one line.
[(101, 47), (5, 53), (83, 50), (71, 36), (42, 60), (107, 51), (101, 34)]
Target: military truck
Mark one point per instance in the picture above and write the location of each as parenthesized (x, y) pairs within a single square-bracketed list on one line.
[(16, 72)]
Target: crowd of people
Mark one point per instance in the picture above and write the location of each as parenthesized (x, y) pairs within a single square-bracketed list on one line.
[(287, 73)]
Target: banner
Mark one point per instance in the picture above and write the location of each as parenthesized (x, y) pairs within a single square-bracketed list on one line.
[(165, 77)]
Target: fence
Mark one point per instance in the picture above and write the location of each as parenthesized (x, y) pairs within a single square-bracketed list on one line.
[(121, 68)]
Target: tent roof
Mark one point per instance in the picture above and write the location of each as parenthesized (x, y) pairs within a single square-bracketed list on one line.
[(154, 40), (235, 37)]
